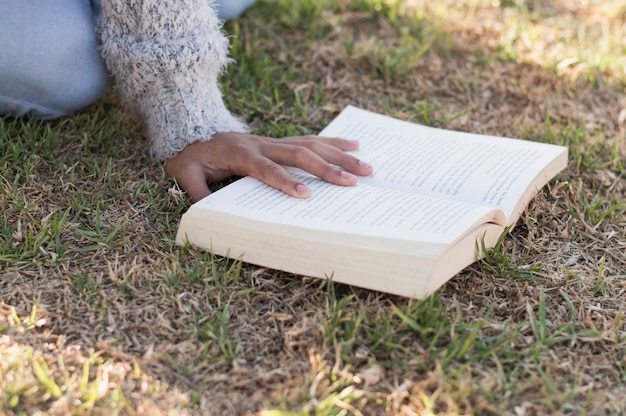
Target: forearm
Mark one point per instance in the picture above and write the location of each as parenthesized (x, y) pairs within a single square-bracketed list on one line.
[(166, 56)]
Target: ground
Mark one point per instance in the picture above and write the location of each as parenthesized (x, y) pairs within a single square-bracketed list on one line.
[(102, 313)]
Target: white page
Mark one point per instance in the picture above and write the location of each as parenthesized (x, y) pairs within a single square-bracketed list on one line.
[(487, 170), (360, 210)]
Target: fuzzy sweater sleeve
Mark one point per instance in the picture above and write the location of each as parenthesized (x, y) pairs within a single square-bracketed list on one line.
[(166, 56)]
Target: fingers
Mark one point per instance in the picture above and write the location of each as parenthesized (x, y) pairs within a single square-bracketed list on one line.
[(328, 150), (274, 175), (340, 158), (341, 144), (310, 161), (267, 168), (323, 157), (229, 154)]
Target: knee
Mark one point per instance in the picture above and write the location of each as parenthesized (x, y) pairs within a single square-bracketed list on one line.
[(76, 75), (53, 71), (229, 9)]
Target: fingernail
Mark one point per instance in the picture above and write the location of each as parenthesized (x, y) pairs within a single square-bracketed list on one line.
[(302, 190), (348, 176), (364, 165)]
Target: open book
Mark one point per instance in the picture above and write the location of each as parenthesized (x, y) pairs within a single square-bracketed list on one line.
[(435, 197)]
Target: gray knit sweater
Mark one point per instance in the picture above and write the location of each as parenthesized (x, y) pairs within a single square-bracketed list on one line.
[(166, 56)]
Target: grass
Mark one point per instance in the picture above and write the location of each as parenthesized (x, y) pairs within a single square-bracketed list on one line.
[(101, 313)]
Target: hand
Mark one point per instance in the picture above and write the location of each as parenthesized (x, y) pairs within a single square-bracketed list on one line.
[(228, 154)]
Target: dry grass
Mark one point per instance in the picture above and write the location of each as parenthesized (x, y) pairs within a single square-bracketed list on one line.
[(100, 313)]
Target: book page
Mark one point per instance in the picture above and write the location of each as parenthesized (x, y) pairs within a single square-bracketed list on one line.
[(359, 210), (474, 168)]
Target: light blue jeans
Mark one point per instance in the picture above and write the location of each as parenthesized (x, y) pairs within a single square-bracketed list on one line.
[(49, 62)]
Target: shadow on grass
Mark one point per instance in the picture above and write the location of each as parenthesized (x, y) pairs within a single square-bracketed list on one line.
[(101, 311)]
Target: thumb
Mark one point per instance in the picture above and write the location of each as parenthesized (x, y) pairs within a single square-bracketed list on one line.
[(197, 191), (193, 181)]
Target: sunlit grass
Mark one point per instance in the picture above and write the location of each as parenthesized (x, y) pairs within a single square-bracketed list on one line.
[(101, 313)]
